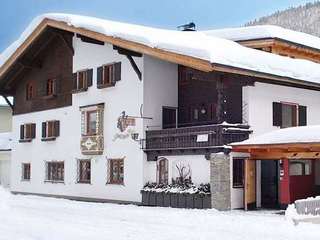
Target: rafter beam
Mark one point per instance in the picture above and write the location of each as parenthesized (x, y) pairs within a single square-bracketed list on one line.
[(8, 102)]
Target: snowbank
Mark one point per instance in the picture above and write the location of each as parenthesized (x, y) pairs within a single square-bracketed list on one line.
[(306, 134), (5, 141), (194, 44), (266, 31)]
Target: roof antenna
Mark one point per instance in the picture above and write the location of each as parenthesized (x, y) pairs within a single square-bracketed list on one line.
[(187, 27)]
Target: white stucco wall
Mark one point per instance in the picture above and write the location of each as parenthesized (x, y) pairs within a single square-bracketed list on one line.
[(199, 166), (5, 119), (5, 168), (127, 96)]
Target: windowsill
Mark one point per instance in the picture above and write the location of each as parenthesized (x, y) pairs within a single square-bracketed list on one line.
[(84, 182), (50, 96), (25, 140), (80, 90), (100, 86), (237, 187), (53, 181), (115, 184), (25, 180), (48, 139)]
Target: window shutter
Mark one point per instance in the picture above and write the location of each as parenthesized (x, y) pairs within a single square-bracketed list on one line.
[(302, 116), (21, 131), (99, 76), (83, 123), (57, 128), (117, 72), (100, 121), (57, 86), (89, 77), (33, 130), (42, 88), (74, 81), (277, 114), (44, 129)]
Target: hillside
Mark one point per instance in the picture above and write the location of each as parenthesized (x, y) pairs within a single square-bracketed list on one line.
[(304, 18)]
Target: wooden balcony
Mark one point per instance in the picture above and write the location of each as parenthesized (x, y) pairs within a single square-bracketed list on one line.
[(192, 140), (92, 145)]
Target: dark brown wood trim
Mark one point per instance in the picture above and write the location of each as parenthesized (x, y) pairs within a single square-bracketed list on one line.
[(92, 105)]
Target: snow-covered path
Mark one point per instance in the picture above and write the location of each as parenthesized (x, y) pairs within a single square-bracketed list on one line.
[(37, 218)]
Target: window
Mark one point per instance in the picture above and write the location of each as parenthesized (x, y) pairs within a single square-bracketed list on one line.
[(163, 171), (51, 87), (289, 115), (55, 171), (27, 132), (116, 171), (108, 75), (26, 171), (84, 171), (82, 80), (238, 171), (92, 122), (300, 167), (29, 91), (50, 130)]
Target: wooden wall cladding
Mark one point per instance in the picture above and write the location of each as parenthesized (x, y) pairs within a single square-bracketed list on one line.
[(55, 63)]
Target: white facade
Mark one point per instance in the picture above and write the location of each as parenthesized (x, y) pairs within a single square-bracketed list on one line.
[(5, 118)]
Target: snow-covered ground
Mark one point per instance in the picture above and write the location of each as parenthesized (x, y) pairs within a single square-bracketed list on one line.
[(31, 217)]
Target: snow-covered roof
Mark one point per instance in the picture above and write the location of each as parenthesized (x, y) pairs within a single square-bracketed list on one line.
[(199, 45), (5, 141), (306, 134), (266, 31)]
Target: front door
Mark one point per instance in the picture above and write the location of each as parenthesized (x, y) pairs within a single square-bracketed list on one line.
[(250, 185), (269, 184)]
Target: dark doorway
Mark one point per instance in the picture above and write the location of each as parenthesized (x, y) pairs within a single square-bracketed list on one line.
[(269, 184), (169, 117)]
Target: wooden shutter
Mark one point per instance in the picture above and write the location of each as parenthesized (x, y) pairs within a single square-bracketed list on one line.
[(57, 128), (100, 121), (83, 123), (117, 72), (57, 86), (21, 132), (44, 129), (277, 114), (89, 77), (42, 88), (74, 81), (302, 116), (99, 76), (33, 130)]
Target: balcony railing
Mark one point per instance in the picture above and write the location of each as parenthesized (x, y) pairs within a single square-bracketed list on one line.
[(209, 136)]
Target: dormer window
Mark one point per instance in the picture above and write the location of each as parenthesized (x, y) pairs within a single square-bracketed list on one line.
[(29, 91), (82, 80)]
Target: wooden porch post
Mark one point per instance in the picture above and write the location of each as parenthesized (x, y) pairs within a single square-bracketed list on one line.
[(220, 111)]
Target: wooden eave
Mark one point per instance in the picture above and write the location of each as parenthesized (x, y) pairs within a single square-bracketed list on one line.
[(281, 43), (280, 151), (188, 61)]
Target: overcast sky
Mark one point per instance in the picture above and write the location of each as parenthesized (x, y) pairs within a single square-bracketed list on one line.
[(17, 14)]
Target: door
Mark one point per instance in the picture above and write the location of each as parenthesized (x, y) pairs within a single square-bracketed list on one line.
[(269, 184), (250, 185)]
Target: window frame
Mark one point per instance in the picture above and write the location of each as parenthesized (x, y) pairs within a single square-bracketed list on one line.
[(27, 132), (116, 180), (85, 80), (111, 68), (51, 87), (80, 178), (53, 133), (238, 181), (50, 177), (87, 128), (24, 176), (30, 91)]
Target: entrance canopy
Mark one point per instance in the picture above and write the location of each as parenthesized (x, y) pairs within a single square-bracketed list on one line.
[(289, 143)]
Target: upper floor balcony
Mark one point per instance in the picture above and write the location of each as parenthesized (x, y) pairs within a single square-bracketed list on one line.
[(192, 140)]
